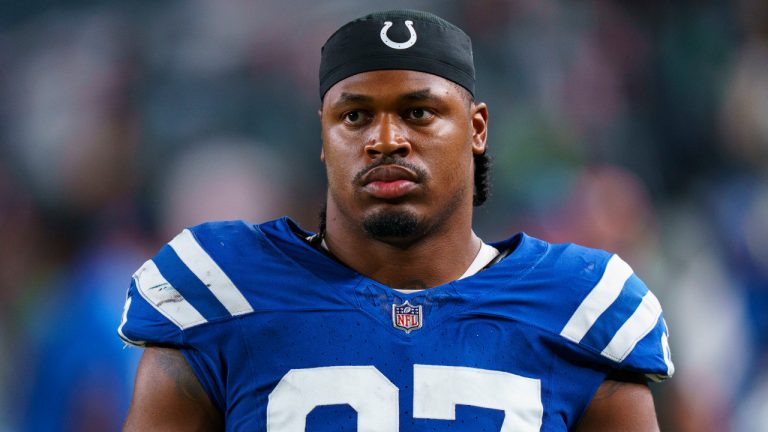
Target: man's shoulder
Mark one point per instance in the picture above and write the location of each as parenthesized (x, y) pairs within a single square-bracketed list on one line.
[(582, 284), (562, 260), (590, 298), (573, 254), (229, 240), (235, 229), (208, 273)]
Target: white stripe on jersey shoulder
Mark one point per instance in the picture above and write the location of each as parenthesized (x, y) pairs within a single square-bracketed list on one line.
[(639, 324), (598, 300), (205, 268), (158, 292)]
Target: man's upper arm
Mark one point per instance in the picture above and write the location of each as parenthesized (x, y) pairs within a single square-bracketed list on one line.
[(620, 406), (168, 396)]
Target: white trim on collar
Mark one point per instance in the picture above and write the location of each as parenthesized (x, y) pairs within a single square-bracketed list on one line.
[(485, 255)]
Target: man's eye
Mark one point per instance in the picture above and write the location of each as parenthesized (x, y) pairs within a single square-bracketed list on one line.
[(419, 114), (354, 117)]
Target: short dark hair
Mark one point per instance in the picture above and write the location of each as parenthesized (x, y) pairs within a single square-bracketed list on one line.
[(482, 177)]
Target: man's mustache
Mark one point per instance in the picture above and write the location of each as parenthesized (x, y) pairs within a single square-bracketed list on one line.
[(420, 172)]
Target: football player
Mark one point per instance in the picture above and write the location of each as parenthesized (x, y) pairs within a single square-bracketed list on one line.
[(394, 316)]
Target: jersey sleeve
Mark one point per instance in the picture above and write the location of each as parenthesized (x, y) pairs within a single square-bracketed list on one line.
[(179, 288), (620, 318)]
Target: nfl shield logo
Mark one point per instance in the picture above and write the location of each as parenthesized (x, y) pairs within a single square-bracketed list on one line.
[(406, 317)]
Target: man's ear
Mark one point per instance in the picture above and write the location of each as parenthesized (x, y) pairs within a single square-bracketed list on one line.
[(479, 114), (322, 154)]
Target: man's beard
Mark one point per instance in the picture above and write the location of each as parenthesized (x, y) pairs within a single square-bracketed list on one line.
[(393, 224)]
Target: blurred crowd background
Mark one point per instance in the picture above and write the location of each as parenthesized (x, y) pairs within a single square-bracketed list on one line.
[(638, 127)]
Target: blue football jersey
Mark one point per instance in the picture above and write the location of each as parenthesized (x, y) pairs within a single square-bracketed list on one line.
[(285, 339)]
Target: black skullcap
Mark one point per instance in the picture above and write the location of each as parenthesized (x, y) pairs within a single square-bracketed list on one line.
[(398, 39)]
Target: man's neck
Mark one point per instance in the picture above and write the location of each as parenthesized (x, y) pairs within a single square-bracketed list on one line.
[(436, 258)]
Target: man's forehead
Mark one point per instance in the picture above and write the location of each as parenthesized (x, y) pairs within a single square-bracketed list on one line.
[(391, 84)]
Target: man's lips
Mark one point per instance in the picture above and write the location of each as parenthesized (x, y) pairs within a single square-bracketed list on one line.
[(389, 181), (389, 173), (389, 189)]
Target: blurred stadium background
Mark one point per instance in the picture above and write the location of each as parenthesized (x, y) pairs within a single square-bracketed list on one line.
[(639, 127)]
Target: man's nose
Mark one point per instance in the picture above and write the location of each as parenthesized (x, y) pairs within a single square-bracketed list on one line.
[(387, 138)]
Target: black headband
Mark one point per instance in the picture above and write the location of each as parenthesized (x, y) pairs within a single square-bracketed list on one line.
[(399, 39)]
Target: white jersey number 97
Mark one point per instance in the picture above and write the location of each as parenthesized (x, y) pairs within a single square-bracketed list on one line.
[(436, 392)]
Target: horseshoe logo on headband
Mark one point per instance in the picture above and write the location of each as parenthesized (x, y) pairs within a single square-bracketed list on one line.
[(388, 42)]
